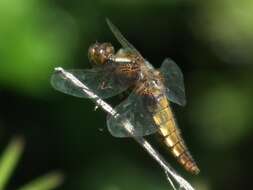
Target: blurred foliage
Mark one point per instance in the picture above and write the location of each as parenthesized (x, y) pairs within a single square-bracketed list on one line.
[(47, 182), (228, 25), (8, 162), (34, 38), (210, 40)]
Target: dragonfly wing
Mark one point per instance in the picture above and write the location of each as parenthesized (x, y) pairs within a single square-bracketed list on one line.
[(174, 82), (135, 111), (102, 83), (122, 40)]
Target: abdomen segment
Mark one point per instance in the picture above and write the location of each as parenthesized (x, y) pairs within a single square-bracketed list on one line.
[(170, 134)]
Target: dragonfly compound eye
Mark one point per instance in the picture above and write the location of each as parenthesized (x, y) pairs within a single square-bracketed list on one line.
[(100, 54)]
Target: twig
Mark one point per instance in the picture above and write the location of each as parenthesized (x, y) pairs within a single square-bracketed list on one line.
[(169, 171)]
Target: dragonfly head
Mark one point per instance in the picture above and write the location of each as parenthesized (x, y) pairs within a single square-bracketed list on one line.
[(100, 53)]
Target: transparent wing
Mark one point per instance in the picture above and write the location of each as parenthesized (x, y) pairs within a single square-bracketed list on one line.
[(104, 84), (135, 110), (122, 40), (174, 82)]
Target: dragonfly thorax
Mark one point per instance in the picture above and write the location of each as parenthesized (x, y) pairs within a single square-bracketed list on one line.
[(150, 74)]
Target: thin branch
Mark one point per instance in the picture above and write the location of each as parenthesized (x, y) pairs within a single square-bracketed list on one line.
[(169, 171)]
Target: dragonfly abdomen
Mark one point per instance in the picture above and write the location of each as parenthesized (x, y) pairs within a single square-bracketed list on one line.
[(170, 134)]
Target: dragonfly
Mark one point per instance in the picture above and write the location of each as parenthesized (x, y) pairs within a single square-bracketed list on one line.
[(148, 107)]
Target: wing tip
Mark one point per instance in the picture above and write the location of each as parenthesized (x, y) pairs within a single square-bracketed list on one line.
[(183, 103), (109, 23), (107, 20)]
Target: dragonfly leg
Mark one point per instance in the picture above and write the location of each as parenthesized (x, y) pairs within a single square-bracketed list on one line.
[(104, 85)]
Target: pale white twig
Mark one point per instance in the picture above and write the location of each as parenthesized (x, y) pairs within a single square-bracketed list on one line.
[(170, 173)]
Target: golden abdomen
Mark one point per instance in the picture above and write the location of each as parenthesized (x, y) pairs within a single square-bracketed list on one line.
[(164, 119)]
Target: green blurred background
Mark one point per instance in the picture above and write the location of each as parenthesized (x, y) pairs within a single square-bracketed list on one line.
[(212, 41)]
